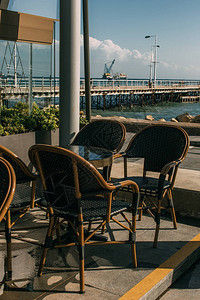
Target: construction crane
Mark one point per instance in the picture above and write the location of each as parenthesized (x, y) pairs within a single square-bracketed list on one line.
[(107, 70)]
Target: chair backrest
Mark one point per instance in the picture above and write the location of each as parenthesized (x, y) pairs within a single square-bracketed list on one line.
[(7, 186), (65, 175), (159, 145), (107, 134), (22, 172)]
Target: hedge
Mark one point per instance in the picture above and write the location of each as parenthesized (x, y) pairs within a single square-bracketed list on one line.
[(17, 119)]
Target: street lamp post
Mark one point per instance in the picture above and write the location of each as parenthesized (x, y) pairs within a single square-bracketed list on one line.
[(151, 62), (154, 61)]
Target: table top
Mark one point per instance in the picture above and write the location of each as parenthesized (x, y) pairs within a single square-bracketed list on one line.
[(98, 157)]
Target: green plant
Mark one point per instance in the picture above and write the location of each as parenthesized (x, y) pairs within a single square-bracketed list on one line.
[(83, 120), (1, 130), (44, 119), (17, 119), (13, 119)]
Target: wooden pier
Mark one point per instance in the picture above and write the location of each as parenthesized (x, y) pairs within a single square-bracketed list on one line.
[(109, 93), (186, 99)]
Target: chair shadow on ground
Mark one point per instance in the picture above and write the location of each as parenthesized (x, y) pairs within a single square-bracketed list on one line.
[(62, 265)]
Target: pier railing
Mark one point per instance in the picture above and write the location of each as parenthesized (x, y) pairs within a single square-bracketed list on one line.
[(107, 93), (99, 83)]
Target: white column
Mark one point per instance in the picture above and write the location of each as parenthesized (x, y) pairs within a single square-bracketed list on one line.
[(70, 14)]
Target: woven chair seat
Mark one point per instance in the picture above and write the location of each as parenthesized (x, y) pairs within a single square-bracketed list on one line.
[(23, 195), (94, 208), (148, 185)]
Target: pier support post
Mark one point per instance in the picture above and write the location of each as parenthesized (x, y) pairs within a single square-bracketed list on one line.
[(70, 12), (104, 102)]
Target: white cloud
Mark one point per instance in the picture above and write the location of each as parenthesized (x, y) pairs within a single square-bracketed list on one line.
[(126, 60), (108, 49), (133, 62), (192, 68)]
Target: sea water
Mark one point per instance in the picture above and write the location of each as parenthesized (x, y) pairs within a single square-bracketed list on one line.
[(166, 111)]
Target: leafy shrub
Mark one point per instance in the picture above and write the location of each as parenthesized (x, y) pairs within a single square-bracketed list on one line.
[(17, 120)]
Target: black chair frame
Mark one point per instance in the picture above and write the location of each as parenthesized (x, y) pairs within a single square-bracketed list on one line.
[(163, 148), (77, 193)]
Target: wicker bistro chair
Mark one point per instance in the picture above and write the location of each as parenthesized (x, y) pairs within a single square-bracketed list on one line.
[(7, 191), (163, 148), (107, 134), (76, 192), (25, 194)]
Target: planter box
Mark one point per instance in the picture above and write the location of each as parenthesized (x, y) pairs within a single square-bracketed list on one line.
[(20, 143), (47, 137)]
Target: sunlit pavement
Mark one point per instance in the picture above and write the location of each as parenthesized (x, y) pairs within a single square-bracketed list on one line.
[(108, 269)]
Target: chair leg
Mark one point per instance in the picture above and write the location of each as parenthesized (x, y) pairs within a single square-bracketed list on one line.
[(133, 235), (141, 209), (8, 270), (157, 219), (103, 229), (109, 172), (171, 206), (81, 254), (81, 268), (33, 193), (133, 250), (89, 225), (58, 231), (133, 242), (47, 244)]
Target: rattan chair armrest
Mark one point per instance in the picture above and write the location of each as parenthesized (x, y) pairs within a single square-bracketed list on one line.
[(165, 170), (117, 155), (123, 183), (33, 175)]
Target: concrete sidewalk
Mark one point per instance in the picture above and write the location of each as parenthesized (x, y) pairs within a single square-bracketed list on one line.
[(108, 269), (195, 141)]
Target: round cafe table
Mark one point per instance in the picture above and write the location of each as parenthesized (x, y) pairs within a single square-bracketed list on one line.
[(98, 157)]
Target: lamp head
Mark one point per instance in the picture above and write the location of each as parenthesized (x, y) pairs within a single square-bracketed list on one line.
[(147, 36)]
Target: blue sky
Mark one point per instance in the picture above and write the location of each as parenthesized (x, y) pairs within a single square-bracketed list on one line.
[(117, 31)]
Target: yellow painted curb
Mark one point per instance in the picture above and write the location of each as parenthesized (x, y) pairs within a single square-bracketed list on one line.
[(145, 285)]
